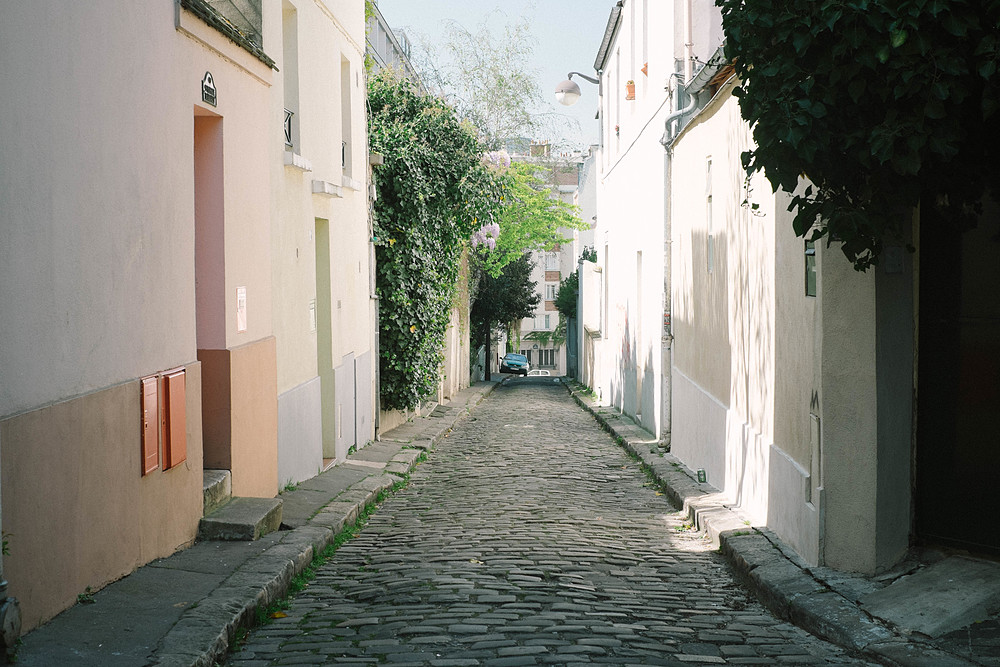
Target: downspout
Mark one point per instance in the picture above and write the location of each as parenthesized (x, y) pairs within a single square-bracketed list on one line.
[(668, 135), (667, 336), (688, 42)]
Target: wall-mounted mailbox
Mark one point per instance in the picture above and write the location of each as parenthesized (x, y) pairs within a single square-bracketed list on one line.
[(150, 424), (173, 419)]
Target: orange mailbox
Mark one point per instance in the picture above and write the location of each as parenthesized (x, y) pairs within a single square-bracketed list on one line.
[(174, 423), (150, 420)]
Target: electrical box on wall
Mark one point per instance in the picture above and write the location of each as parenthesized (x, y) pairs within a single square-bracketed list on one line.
[(173, 419), (150, 424), (164, 420)]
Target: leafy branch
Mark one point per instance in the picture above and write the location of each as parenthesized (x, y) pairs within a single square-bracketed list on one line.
[(879, 104)]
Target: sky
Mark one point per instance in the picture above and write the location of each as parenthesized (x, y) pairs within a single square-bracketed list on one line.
[(567, 34)]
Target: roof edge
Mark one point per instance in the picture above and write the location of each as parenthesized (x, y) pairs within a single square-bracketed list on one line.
[(609, 34)]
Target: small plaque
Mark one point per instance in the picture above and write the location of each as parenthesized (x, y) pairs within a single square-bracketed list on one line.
[(241, 309), (208, 91)]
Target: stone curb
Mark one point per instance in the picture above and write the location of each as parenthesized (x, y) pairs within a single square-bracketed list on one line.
[(204, 633), (772, 572)]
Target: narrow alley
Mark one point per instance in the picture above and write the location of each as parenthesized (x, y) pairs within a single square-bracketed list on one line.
[(528, 537)]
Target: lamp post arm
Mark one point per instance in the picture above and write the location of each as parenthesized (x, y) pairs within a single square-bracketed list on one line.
[(582, 76)]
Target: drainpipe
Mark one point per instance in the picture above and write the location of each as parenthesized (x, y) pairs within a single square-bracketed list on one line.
[(688, 42), (667, 336), (668, 134)]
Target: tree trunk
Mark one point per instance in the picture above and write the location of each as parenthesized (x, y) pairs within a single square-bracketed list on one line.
[(486, 357)]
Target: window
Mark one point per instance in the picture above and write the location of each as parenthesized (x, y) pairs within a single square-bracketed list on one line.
[(550, 292), (551, 261), (290, 75), (810, 268), (547, 357), (345, 116)]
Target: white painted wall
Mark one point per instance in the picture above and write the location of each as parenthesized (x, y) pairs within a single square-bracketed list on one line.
[(630, 212), (328, 83)]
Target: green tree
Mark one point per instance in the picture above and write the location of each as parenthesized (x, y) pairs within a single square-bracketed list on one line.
[(569, 288), (882, 104), (433, 192), (531, 218), (503, 300)]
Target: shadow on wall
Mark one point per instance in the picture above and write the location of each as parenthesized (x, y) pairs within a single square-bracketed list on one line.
[(702, 351), (751, 286), (647, 400), (626, 363)]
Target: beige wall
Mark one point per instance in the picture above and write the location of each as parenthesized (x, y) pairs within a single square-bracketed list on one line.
[(78, 511), (723, 258), (849, 413), (254, 415), (241, 416), (746, 335), (98, 239), (775, 392)]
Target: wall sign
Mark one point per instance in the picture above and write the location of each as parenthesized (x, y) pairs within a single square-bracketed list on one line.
[(208, 91)]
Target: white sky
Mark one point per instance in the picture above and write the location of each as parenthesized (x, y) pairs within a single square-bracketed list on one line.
[(567, 35)]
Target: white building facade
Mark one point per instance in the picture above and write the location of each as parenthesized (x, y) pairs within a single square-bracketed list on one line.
[(324, 312), (766, 362)]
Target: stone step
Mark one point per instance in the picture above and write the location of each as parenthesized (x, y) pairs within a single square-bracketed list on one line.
[(242, 519), (217, 490)]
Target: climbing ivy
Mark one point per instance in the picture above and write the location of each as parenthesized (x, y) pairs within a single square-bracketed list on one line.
[(433, 191), (882, 104)]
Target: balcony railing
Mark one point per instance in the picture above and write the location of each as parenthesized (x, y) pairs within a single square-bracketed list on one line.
[(288, 128)]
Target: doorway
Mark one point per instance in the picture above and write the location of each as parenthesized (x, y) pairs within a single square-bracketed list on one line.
[(958, 444)]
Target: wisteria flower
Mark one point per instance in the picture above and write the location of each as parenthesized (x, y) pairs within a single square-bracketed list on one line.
[(487, 235), (499, 159)]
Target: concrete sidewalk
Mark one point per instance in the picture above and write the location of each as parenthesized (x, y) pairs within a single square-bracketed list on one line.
[(935, 609), (185, 610)]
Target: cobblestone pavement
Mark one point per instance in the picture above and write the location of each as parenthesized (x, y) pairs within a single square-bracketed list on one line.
[(528, 538)]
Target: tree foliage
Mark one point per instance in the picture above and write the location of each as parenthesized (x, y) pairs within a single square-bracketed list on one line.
[(530, 219), (881, 104), (505, 298), (488, 77), (569, 288), (433, 192)]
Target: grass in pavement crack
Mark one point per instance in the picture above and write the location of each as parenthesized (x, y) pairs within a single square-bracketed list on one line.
[(277, 609)]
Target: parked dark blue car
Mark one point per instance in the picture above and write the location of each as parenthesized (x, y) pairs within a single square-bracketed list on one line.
[(515, 363)]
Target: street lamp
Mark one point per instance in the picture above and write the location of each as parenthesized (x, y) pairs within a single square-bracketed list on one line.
[(568, 92)]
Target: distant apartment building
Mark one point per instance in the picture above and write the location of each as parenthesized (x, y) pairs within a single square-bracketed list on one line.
[(544, 336)]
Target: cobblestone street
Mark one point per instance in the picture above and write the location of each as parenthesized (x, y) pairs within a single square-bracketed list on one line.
[(528, 537)]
